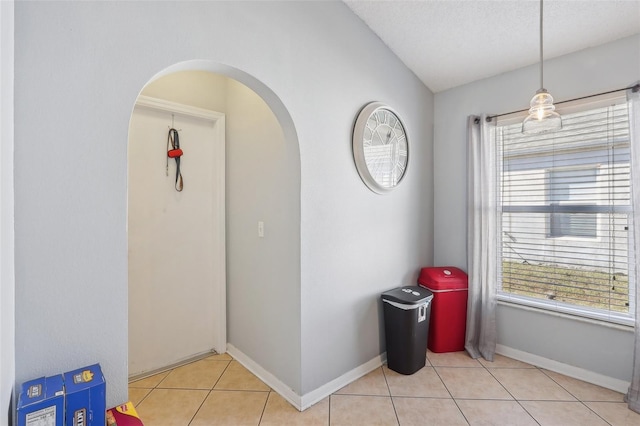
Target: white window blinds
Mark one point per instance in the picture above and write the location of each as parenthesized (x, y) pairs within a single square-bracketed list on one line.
[(566, 215)]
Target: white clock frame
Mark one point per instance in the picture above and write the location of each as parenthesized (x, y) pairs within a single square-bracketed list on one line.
[(368, 167)]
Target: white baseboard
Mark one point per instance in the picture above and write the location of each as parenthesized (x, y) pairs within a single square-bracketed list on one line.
[(566, 369), (269, 379), (307, 400), (338, 383)]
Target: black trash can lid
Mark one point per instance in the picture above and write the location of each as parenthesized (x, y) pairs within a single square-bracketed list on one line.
[(408, 295)]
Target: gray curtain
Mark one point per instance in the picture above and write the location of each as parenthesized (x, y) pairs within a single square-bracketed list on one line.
[(633, 396), (483, 232)]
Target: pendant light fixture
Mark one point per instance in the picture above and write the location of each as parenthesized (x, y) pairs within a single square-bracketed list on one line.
[(542, 115)]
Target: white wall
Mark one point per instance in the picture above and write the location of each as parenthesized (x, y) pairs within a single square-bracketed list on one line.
[(7, 279), (263, 274), (355, 244), (176, 239), (599, 349), (76, 82)]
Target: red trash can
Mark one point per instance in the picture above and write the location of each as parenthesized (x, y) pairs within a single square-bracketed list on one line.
[(448, 323)]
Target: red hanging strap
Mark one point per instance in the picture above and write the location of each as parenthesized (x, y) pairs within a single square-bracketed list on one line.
[(175, 152)]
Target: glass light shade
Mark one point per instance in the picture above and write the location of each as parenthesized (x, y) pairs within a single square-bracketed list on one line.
[(542, 115)]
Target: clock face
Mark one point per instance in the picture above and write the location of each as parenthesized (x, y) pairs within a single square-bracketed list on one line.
[(380, 147)]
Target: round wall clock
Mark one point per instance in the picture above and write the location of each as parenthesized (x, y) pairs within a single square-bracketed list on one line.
[(380, 147)]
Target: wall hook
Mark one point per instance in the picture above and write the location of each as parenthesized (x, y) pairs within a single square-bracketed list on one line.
[(173, 123)]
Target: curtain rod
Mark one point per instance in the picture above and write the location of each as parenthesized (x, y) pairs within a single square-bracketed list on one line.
[(634, 88)]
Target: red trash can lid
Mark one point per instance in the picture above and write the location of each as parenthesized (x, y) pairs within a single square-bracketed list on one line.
[(443, 278)]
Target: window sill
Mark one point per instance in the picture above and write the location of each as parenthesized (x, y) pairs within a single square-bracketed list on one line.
[(628, 325)]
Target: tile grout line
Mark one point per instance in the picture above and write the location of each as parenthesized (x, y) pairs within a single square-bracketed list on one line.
[(386, 382), (570, 393), (221, 374), (264, 408), (452, 398), (527, 411), (150, 390), (188, 388), (157, 387), (556, 382), (500, 383), (512, 396), (143, 398), (199, 407), (393, 405), (555, 400)]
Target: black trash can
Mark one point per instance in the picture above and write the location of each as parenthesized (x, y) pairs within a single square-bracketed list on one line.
[(406, 327)]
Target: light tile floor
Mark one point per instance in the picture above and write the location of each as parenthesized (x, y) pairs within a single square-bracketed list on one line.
[(452, 389)]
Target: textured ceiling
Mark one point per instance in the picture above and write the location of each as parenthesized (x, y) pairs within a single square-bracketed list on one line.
[(448, 43)]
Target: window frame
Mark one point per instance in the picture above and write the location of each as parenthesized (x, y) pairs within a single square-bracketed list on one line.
[(610, 316)]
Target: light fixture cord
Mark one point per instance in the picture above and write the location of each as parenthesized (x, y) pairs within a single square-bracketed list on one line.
[(541, 67)]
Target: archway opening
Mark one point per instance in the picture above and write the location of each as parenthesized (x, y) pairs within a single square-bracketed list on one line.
[(261, 187)]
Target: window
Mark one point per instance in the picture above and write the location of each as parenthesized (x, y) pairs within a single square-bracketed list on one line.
[(572, 188), (565, 214)]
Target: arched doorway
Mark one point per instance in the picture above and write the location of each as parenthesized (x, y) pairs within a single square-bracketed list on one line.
[(263, 172)]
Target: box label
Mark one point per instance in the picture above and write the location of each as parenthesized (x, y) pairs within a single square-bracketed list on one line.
[(80, 417), (83, 377), (34, 391), (44, 417)]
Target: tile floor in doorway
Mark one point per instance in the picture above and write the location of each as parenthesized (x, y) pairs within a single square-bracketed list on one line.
[(452, 389)]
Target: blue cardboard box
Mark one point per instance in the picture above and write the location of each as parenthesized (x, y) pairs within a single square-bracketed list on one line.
[(85, 397), (41, 402)]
